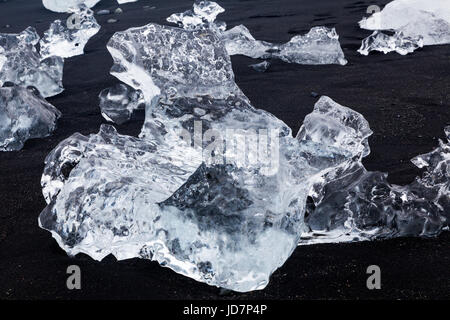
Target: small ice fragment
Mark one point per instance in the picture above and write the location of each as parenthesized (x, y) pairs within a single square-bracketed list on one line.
[(118, 103), (260, 67), (319, 46), (24, 115), (103, 12), (126, 1), (202, 16), (66, 40), (382, 42), (67, 5)]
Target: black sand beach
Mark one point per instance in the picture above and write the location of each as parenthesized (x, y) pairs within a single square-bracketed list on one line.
[(406, 100)]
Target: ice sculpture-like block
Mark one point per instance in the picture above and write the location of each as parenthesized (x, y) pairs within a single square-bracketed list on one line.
[(186, 193), (382, 42), (24, 115), (428, 20), (118, 103), (65, 40), (67, 5), (21, 64)]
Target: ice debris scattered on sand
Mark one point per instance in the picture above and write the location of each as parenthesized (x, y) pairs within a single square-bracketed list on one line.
[(212, 188), (415, 23), (319, 46), (68, 38), (21, 63), (67, 5), (355, 204), (24, 115), (260, 67), (118, 103)]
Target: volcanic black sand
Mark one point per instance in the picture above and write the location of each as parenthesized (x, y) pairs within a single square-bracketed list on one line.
[(406, 100)]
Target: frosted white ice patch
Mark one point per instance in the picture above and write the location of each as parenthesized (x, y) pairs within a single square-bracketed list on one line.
[(67, 5), (427, 21), (66, 39)]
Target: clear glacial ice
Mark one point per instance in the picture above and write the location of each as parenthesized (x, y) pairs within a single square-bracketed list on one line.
[(69, 37), (319, 46), (382, 42), (24, 114), (354, 204), (214, 188), (118, 103), (415, 22), (21, 63), (67, 5)]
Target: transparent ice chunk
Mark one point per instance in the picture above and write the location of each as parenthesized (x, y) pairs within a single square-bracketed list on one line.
[(21, 63), (146, 59), (356, 204), (67, 39), (319, 46), (202, 16), (67, 5), (239, 40), (24, 115), (380, 41), (118, 103)]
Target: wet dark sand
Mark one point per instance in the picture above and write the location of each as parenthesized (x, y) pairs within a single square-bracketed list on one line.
[(405, 99)]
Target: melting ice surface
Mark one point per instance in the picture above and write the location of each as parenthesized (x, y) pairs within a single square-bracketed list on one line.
[(21, 63), (415, 23), (319, 46), (24, 114), (67, 5), (212, 188), (68, 38)]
